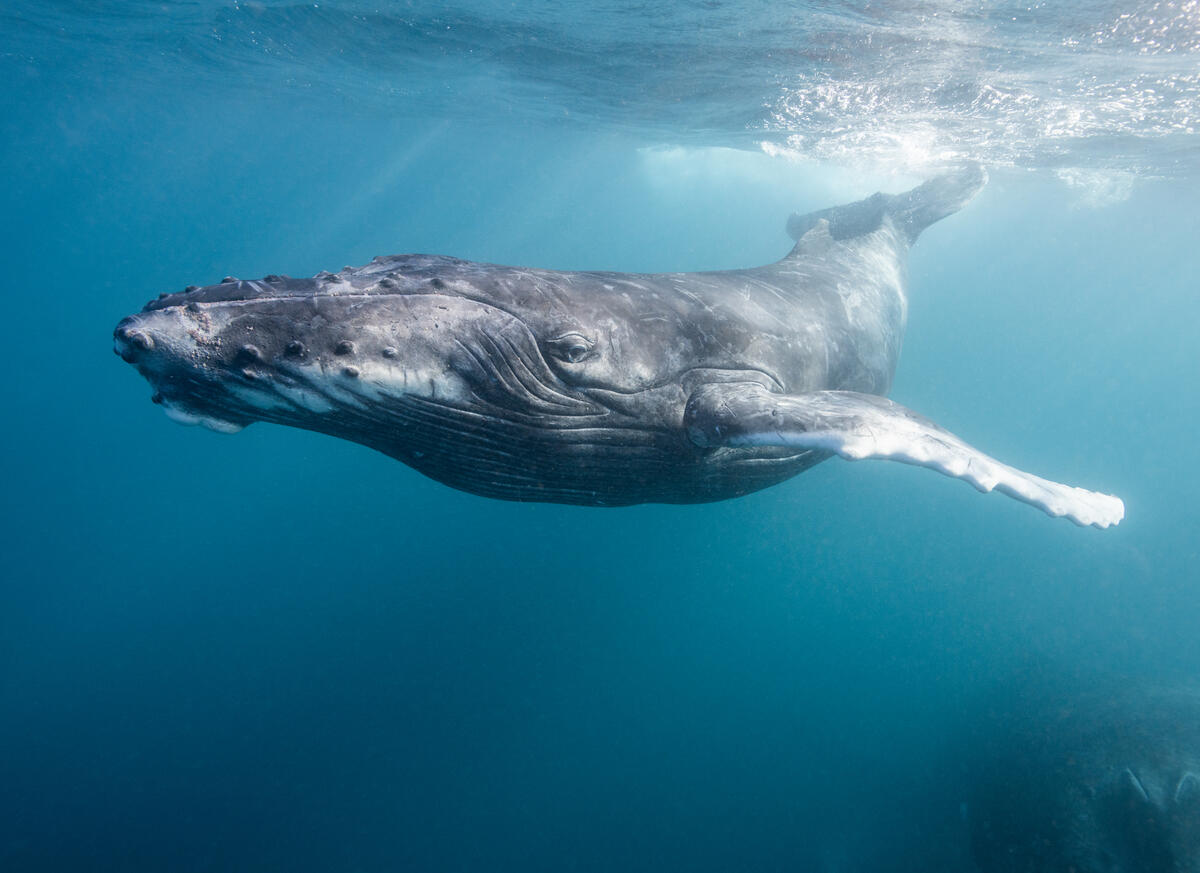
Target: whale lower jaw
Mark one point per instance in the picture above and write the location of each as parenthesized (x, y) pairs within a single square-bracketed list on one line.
[(182, 416)]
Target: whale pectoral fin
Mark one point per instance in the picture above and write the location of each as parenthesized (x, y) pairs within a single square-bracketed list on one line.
[(856, 426)]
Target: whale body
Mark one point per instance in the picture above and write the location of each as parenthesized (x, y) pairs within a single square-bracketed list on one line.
[(594, 388)]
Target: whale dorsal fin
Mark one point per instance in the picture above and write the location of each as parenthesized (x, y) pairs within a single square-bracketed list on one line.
[(843, 222), (911, 212), (816, 237)]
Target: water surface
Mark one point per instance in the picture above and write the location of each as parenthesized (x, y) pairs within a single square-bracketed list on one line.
[(276, 651)]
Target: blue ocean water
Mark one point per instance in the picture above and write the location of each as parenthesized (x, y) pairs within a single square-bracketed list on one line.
[(277, 651)]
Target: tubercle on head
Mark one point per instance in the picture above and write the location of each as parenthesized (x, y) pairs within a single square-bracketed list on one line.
[(296, 351)]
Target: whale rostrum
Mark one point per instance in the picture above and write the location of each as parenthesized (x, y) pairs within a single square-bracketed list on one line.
[(595, 388)]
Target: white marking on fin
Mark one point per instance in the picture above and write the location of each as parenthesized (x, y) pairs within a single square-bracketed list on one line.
[(983, 472), (858, 426)]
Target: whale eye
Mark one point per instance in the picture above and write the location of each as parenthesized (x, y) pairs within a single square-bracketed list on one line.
[(571, 347)]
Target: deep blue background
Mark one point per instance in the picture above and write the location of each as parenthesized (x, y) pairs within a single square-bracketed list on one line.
[(276, 651)]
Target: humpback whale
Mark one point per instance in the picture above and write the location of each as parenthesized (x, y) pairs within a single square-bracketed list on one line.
[(1106, 781), (593, 388)]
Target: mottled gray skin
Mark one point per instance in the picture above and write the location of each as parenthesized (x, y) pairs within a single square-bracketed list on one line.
[(574, 387), (1101, 783)]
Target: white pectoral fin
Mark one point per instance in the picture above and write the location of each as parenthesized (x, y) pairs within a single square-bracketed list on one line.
[(857, 426)]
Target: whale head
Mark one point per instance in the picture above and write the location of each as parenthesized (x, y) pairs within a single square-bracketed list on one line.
[(317, 354), (1147, 819), (479, 383)]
